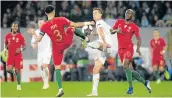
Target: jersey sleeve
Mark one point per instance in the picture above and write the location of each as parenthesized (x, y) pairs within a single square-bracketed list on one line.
[(163, 42), (115, 26), (136, 32), (151, 44), (99, 25), (23, 40), (5, 39), (65, 21)]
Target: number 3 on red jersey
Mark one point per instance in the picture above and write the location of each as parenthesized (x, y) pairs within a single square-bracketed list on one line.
[(58, 35)]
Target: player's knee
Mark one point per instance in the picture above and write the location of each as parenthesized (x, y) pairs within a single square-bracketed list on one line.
[(58, 67), (9, 68), (155, 67), (161, 69), (44, 66), (70, 30), (17, 70)]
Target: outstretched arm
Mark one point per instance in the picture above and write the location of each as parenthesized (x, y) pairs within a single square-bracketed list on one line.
[(37, 38), (80, 24)]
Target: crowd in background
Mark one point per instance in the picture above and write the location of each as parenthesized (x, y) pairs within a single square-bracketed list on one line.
[(147, 13)]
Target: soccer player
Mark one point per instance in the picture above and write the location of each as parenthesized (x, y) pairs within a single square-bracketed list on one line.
[(44, 54), (126, 29), (61, 38), (15, 43), (158, 48), (103, 46)]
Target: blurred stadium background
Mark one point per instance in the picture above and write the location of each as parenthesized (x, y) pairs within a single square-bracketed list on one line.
[(149, 15)]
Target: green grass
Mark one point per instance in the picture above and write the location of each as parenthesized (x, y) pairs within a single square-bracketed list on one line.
[(81, 89)]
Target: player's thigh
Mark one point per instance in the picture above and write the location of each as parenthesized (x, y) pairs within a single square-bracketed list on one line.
[(155, 63), (18, 62), (121, 54), (46, 60), (57, 59), (128, 54), (161, 64), (10, 63)]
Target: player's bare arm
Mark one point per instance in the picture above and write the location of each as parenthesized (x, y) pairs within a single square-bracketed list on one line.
[(34, 45), (32, 32), (80, 24), (164, 49), (138, 45)]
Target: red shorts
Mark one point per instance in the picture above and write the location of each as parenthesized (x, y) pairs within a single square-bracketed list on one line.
[(15, 61), (58, 49), (158, 60), (125, 53)]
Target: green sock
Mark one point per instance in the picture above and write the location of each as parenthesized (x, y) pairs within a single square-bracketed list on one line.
[(128, 74), (18, 78), (157, 74), (79, 33), (138, 77), (58, 78)]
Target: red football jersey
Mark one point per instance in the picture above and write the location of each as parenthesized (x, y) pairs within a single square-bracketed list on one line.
[(55, 29), (127, 31), (157, 45), (14, 42)]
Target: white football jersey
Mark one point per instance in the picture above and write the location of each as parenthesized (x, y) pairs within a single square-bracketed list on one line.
[(106, 29), (44, 46)]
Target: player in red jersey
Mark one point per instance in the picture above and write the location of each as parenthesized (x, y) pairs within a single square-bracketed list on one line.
[(158, 48), (61, 39), (125, 29), (15, 43)]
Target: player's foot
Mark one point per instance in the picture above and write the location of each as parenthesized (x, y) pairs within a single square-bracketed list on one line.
[(130, 90), (46, 86), (84, 43), (167, 75), (92, 94), (18, 87), (158, 81), (60, 93), (147, 84)]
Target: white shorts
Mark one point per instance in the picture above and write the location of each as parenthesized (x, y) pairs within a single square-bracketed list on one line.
[(102, 55), (44, 59)]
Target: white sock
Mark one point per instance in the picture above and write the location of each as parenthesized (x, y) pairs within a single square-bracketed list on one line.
[(46, 75), (60, 89), (43, 74), (95, 82)]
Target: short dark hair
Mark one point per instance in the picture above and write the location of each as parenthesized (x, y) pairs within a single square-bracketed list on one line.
[(99, 9), (49, 9)]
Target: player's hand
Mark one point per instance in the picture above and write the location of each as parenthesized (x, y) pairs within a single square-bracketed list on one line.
[(162, 52), (31, 31), (89, 23), (138, 51), (5, 51), (106, 45), (18, 50)]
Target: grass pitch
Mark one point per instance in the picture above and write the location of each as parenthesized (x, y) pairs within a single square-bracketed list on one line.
[(81, 89)]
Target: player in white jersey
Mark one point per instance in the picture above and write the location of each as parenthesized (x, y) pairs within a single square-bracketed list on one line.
[(103, 45), (44, 53)]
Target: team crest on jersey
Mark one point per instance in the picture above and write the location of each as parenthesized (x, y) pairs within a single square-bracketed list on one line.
[(13, 38), (125, 26), (129, 28)]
